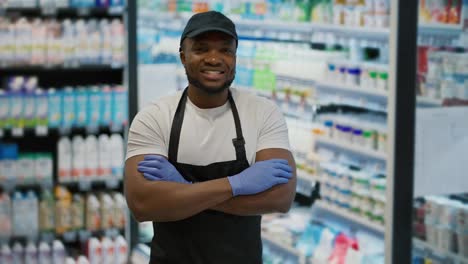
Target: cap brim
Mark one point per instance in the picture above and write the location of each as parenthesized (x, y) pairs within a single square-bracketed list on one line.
[(204, 30)]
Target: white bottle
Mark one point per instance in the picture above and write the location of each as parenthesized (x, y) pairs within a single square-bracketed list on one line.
[(94, 251), (58, 252), (82, 260), (70, 260), (32, 216), (5, 217), (31, 256), (108, 249), (6, 256), (20, 212), (105, 156), (107, 211), (117, 159), (78, 157), (18, 253), (91, 163), (45, 253), (120, 211), (64, 159), (121, 250)]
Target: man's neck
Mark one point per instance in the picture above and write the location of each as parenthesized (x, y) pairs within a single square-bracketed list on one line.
[(206, 100)]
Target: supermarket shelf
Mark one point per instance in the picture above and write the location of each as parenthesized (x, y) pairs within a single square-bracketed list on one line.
[(305, 183), (434, 251), (114, 11), (278, 246), (352, 88), (267, 25), (76, 67), (425, 101), (312, 27), (345, 214), (43, 132), (352, 148), (440, 29)]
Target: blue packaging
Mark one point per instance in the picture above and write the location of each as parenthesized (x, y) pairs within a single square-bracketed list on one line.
[(4, 109), (68, 110), (55, 106), (119, 107), (102, 3), (93, 112), (40, 108), (106, 106), (81, 107)]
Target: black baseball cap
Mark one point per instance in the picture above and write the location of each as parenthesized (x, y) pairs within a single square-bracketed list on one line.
[(208, 21)]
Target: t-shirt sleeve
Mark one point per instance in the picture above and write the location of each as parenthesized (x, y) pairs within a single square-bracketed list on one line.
[(274, 131), (146, 134)]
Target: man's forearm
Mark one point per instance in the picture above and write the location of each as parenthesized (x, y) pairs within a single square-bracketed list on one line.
[(275, 200), (167, 201)]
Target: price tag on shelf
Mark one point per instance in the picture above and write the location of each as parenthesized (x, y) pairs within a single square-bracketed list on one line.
[(49, 11), (115, 10), (112, 232), (83, 11), (112, 183), (42, 131), (69, 236), (84, 235), (84, 185), (17, 132)]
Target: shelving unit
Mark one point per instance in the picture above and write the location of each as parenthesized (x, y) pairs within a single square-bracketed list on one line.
[(432, 251), (52, 11), (45, 139), (351, 88), (286, 250), (350, 216), (352, 148)]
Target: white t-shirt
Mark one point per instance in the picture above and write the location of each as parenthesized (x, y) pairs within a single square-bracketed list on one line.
[(207, 134)]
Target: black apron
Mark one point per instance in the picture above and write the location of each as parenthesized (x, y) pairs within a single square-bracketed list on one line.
[(210, 236)]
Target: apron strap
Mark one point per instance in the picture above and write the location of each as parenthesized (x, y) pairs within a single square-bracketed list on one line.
[(239, 141), (176, 128)]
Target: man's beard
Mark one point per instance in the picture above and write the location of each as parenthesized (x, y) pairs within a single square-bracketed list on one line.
[(209, 90)]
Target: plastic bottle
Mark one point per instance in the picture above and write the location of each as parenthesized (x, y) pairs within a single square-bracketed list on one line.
[(82, 260), (117, 160), (93, 213), (32, 216), (108, 249), (54, 110), (63, 220), (105, 156), (70, 260), (18, 253), (91, 162), (6, 256), (20, 213), (31, 256), (8, 163), (121, 250), (107, 211), (94, 251), (58, 252), (120, 210), (78, 212), (79, 157), (5, 216), (45, 253), (64, 159)]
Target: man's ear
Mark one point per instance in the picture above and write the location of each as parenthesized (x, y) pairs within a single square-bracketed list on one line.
[(182, 55)]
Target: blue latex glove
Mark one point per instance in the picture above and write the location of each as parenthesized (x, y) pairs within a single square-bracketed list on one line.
[(260, 177), (158, 168)]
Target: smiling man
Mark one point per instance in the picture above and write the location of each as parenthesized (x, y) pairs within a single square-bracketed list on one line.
[(206, 163)]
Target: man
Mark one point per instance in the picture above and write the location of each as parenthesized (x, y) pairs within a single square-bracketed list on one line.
[(205, 199)]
